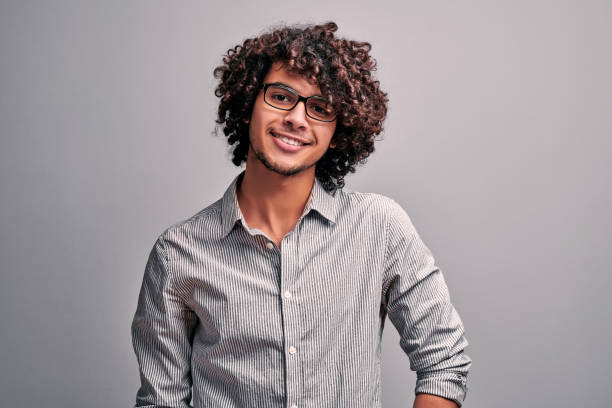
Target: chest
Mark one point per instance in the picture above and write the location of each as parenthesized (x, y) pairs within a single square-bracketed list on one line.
[(315, 281)]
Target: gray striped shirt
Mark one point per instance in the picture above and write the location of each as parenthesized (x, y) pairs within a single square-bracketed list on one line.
[(226, 318)]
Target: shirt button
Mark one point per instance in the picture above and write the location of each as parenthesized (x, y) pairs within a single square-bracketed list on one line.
[(292, 350), (270, 245), (287, 294)]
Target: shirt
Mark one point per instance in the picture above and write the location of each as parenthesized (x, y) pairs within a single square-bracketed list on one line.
[(226, 318)]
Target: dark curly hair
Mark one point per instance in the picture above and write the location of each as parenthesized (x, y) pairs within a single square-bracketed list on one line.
[(341, 68)]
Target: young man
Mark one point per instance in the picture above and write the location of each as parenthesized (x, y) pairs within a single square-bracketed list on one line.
[(276, 294)]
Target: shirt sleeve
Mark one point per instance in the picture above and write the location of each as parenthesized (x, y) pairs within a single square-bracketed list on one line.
[(162, 336), (417, 301)]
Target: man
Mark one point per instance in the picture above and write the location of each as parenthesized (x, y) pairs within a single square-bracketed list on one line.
[(276, 294)]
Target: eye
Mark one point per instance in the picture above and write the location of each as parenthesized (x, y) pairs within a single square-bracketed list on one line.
[(279, 97), (319, 109)]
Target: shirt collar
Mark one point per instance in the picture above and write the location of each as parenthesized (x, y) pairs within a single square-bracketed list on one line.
[(320, 200)]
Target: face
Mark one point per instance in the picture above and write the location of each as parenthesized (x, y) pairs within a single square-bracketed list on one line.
[(274, 133)]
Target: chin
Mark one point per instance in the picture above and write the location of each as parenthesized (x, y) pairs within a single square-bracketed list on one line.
[(284, 170)]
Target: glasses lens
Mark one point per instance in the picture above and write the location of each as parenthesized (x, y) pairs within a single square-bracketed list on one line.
[(280, 97), (320, 109)]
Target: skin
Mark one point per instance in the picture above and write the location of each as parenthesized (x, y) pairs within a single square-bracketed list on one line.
[(433, 401), (276, 183)]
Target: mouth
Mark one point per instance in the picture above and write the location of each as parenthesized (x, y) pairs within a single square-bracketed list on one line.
[(287, 143)]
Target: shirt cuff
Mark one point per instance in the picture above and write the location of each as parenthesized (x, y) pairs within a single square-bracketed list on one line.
[(452, 386)]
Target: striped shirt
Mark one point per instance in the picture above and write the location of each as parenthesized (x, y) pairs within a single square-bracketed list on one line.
[(226, 318)]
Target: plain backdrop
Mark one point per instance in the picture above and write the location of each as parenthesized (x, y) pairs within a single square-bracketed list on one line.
[(497, 144)]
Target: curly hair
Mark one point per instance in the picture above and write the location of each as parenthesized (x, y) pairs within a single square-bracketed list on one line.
[(341, 68)]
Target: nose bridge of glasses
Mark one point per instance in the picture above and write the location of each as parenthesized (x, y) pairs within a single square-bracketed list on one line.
[(302, 113), (304, 100)]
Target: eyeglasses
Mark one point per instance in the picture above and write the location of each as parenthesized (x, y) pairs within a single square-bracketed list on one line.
[(283, 97)]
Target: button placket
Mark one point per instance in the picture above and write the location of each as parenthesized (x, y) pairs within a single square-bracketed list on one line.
[(290, 311)]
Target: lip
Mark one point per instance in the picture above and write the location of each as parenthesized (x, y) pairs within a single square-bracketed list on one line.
[(290, 136), (285, 146)]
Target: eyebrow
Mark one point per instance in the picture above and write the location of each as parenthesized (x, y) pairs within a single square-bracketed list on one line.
[(284, 85)]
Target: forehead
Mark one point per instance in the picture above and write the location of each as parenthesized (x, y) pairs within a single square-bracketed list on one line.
[(279, 73)]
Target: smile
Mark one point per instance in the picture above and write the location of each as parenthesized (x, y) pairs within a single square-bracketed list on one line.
[(287, 143), (290, 141)]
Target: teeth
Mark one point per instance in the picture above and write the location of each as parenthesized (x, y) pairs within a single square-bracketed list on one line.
[(290, 141)]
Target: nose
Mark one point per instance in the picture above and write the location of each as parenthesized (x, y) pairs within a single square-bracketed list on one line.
[(296, 117)]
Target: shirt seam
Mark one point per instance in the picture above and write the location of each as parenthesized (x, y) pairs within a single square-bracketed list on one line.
[(387, 224), (171, 275), (385, 285)]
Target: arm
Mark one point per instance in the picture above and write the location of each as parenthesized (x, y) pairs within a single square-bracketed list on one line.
[(161, 334), (417, 301), (432, 401)]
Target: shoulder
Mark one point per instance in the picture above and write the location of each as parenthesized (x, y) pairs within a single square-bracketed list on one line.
[(201, 226), (382, 208), (378, 214)]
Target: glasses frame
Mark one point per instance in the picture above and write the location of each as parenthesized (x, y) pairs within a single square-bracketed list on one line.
[(300, 98)]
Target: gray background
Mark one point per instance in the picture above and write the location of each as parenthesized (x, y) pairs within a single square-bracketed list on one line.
[(497, 144)]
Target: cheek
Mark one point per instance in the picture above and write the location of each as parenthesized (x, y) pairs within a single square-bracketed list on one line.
[(254, 115), (260, 117), (328, 134), (256, 123)]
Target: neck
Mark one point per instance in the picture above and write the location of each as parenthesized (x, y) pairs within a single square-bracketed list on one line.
[(272, 202)]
